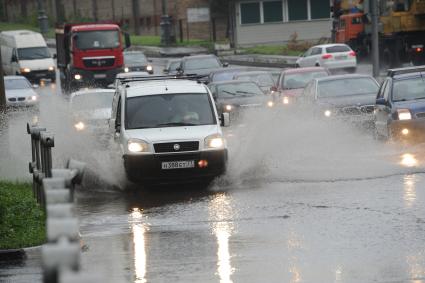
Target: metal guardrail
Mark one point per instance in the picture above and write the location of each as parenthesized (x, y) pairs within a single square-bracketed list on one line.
[(54, 191)]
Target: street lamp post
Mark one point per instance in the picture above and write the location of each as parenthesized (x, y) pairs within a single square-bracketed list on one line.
[(42, 18), (165, 25), (2, 92), (375, 38)]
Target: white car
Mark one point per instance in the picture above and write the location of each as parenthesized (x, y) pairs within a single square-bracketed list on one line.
[(168, 131), (330, 56), (20, 92)]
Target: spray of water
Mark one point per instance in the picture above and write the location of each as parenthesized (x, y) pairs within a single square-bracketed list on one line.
[(293, 145)]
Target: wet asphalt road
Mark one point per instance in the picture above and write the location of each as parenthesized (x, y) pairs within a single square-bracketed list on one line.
[(303, 201)]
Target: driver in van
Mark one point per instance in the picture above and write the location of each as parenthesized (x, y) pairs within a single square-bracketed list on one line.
[(183, 114)]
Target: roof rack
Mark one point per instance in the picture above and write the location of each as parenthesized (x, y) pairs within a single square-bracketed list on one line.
[(400, 71), (141, 78)]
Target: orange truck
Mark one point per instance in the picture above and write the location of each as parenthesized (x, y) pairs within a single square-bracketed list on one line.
[(401, 29)]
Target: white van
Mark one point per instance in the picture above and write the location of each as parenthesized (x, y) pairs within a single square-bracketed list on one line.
[(168, 131), (25, 53)]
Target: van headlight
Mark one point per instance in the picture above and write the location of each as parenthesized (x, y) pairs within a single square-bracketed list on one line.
[(214, 141), (136, 145), (51, 68), (228, 107), (328, 113), (79, 126), (149, 68), (25, 70), (404, 114), (270, 103), (126, 69)]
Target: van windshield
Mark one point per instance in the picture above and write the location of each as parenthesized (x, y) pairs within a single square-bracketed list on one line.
[(169, 110), (101, 39), (33, 53)]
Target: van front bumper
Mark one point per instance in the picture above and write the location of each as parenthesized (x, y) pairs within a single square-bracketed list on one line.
[(35, 76), (147, 168)]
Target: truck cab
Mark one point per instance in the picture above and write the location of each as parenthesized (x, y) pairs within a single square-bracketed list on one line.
[(90, 54)]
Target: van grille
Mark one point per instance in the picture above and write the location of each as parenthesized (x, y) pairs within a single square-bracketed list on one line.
[(176, 146)]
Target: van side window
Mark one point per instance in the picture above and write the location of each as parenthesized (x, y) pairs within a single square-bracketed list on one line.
[(118, 116)]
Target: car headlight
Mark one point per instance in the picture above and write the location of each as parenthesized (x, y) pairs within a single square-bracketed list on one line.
[(327, 113), (404, 114), (270, 103), (136, 145), (228, 107), (285, 100), (51, 68), (34, 97), (25, 70), (78, 77), (149, 68), (126, 69), (80, 126), (214, 141)]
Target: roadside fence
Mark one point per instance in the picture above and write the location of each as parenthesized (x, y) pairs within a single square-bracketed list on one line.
[(54, 191)]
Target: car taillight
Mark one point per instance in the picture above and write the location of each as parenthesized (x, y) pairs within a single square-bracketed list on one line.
[(352, 53), (326, 56), (419, 49)]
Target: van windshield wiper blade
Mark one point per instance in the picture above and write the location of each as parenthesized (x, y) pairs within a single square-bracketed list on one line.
[(171, 124)]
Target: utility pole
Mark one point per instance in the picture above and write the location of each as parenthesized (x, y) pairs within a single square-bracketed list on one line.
[(42, 18), (2, 93), (136, 16), (60, 17), (165, 25), (375, 38)]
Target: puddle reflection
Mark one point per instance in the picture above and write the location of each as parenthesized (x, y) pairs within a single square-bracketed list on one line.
[(409, 185), (416, 267), (139, 229), (221, 215)]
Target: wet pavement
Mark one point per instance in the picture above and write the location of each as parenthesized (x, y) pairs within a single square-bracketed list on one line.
[(303, 201)]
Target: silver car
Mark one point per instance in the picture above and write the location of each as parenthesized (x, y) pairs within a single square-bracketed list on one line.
[(20, 92), (91, 109), (330, 56)]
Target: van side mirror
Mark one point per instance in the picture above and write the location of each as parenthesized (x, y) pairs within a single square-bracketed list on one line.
[(165, 71), (117, 128), (127, 40), (225, 120), (225, 64), (55, 56), (14, 58), (381, 101)]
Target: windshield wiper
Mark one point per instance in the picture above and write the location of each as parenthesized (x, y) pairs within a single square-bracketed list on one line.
[(228, 92), (171, 124)]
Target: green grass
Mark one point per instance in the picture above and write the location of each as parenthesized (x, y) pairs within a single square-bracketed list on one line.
[(152, 40), (22, 220), (15, 26)]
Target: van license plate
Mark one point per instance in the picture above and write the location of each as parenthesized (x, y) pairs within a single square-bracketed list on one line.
[(178, 164), (99, 76)]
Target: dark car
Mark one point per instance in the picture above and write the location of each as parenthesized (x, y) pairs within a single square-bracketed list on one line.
[(136, 61), (348, 96), (201, 65), (226, 74), (172, 66), (234, 96), (263, 79), (400, 104)]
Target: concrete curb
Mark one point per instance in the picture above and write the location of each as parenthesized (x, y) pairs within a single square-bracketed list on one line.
[(16, 254)]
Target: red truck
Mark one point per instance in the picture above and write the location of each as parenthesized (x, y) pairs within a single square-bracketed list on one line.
[(90, 54)]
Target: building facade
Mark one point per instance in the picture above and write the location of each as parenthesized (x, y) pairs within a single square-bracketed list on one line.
[(191, 18), (277, 21)]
